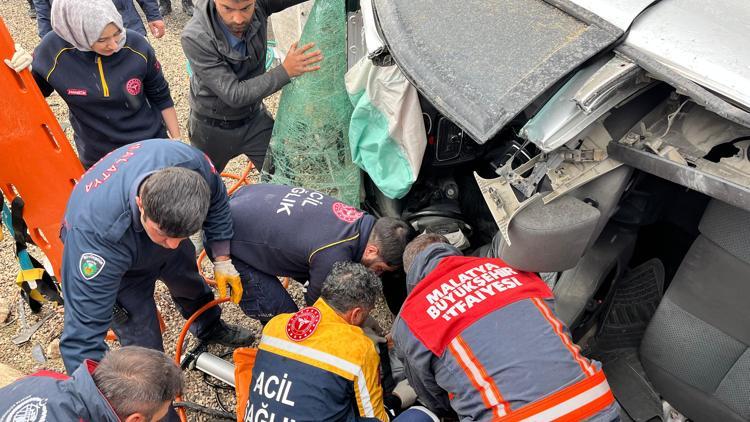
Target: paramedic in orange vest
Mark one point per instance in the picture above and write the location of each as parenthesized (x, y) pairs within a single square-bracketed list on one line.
[(481, 340)]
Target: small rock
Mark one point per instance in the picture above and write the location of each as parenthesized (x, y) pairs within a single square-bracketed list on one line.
[(53, 349), (4, 310), (38, 354)]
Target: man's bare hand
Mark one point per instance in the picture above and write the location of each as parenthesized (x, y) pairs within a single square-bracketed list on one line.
[(298, 61), (157, 28)]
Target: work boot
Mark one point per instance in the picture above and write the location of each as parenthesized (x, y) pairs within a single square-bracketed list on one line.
[(32, 9), (165, 7), (187, 6), (229, 335)]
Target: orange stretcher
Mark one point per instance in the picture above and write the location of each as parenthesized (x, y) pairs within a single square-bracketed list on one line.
[(37, 161)]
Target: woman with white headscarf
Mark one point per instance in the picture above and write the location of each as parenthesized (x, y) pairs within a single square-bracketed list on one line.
[(109, 77)]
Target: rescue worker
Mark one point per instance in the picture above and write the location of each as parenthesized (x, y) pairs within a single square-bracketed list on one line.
[(225, 43), (126, 225), (300, 233), (130, 17), (130, 384), (317, 364), (109, 78), (480, 339)]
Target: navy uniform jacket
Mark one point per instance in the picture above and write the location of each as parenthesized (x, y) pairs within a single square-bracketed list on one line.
[(130, 17), (48, 396), (113, 100), (103, 236), (296, 232)]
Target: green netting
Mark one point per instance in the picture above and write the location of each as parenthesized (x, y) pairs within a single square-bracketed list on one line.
[(310, 145)]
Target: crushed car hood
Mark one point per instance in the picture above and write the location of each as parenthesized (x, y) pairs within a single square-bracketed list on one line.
[(705, 42), (482, 62)]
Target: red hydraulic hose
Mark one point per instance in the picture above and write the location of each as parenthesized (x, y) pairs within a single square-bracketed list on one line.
[(241, 180), (181, 339)]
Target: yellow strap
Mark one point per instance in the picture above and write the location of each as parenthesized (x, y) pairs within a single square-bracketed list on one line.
[(33, 274)]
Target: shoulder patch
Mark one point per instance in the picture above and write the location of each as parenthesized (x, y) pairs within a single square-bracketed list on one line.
[(91, 265), (346, 213), (31, 409), (303, 324)]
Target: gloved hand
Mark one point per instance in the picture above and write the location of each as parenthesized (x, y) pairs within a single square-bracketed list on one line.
[(373, 335), (225, 274), (407, 394), (21, 59)]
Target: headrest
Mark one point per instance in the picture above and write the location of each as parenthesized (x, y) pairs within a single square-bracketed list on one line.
[(728, 227)]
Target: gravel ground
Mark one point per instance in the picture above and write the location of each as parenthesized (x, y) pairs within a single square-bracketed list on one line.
[(169, 52)]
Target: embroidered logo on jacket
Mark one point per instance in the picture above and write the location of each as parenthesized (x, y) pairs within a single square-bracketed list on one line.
[(134, 86), (302, 324), (78, 92), (91, 265), (28, 409), (346, 213)]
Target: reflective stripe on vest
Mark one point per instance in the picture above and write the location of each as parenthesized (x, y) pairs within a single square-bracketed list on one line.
[(573, 403)]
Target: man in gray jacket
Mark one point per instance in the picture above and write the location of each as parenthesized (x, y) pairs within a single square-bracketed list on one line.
[(225, 43)]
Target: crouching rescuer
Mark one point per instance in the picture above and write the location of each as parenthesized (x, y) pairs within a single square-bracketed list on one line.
[(300, 233), (317, 364), (130, 384), (480, 340)]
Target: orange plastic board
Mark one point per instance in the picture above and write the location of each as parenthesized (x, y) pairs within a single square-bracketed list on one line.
[(36, 160)]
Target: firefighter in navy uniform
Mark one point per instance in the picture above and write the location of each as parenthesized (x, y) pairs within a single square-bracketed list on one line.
[(126, 224), (480, 339), (301, 233)]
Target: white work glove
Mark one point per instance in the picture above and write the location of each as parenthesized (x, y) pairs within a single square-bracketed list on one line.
[(225, 274), (21, 60), (404, 392), (373, 335)]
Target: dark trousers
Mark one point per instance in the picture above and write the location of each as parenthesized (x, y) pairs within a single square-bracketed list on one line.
[(263, 295), (177, 269), (222, 142)]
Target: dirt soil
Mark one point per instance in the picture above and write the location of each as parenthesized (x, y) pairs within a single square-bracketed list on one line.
[(169, 52)]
